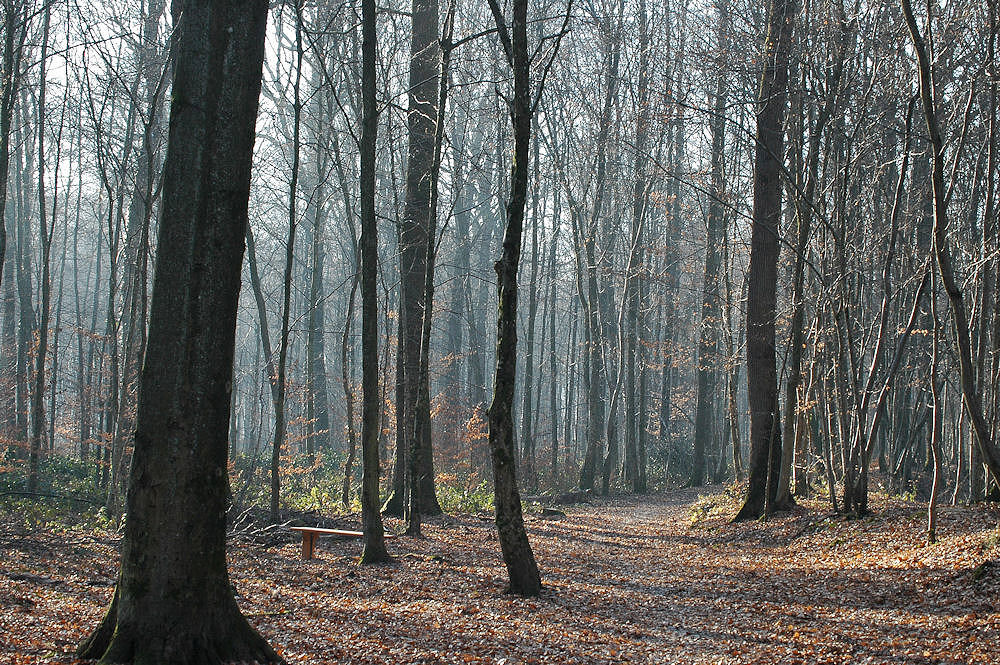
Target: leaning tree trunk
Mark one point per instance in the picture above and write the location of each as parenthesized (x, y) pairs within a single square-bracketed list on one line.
[(762, 376), (942, 250), (517, 555), (174, 602)]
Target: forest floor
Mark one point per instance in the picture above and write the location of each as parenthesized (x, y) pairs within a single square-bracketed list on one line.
[(654, 579)]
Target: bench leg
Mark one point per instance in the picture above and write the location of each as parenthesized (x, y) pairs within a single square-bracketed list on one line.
[(308, 542)]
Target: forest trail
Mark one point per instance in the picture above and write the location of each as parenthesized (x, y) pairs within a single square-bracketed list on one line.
[(655, 579)]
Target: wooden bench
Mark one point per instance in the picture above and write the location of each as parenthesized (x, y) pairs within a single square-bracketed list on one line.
[(311, 533)]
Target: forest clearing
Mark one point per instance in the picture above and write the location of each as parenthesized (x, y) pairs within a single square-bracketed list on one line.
[(663, 578)]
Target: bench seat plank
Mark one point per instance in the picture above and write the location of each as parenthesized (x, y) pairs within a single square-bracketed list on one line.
[(310, 533), (329, 532)]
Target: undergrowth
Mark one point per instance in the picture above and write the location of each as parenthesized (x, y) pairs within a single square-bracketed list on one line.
[(722, 505), (68, 493)]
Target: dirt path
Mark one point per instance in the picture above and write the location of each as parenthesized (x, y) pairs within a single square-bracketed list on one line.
[(629, 580)]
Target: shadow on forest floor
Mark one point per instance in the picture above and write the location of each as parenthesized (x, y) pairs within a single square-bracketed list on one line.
[(662, 578)]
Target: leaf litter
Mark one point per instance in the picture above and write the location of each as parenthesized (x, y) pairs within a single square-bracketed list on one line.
[(654, 579)]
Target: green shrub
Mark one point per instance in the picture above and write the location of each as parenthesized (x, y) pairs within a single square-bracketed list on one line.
[(471, 494)]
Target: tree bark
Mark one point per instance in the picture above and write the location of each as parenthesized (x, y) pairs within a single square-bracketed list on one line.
[(415, 238), (711, 308), (942, 251), (762, 379), (14, 33), (174, 601), (45, 280), (374, 538), (280, 417), (522, 570)]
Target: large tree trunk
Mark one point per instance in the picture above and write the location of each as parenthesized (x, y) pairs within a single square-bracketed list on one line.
[(762, 376), (414, 241), (174, 602)]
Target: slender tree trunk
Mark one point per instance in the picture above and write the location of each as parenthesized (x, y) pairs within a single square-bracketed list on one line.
[(352, 444), (856, 469), (45, 285), (711, 309), (640, 200), (529, 473), (8, 352), (374, 539), (762, 379), (733, 375), (394, 504), (15, 31), (597, 304), (319, 398), (573, 359), (27, 322), (133, 325), (553, 364), (595, 379), (803, 219), (517, 554), (280, 417), (991, 232), (936, 424), (942, 251)]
